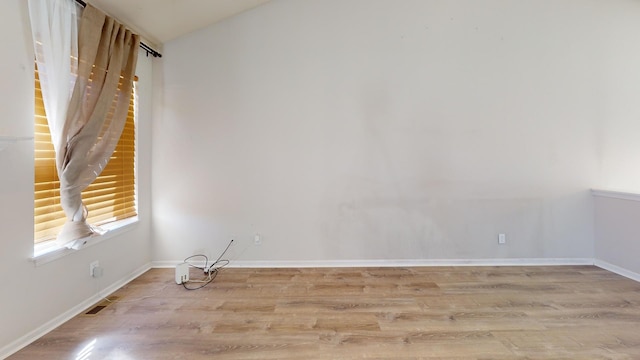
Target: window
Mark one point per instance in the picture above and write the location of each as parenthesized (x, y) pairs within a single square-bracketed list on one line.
[(111, 197)]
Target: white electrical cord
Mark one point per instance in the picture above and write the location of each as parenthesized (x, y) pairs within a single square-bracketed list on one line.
[(210, 270)]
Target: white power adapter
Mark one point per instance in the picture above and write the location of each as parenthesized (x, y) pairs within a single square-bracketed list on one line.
[(182, 273)]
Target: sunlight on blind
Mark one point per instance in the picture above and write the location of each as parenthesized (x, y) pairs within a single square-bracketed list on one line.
[(109, 198)]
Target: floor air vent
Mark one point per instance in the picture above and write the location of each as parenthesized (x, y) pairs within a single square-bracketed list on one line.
[(95, 310), (101, 306)]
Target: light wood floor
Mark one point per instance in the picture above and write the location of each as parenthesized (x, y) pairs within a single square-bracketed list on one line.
[(574, 312)]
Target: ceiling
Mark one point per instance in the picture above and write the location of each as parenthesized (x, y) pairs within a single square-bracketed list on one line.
[(159, 21)]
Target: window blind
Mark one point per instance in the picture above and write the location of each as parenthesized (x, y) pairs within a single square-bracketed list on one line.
[(111, 197)]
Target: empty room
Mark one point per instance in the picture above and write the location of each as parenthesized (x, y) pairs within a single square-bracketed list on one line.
[(320, 179)]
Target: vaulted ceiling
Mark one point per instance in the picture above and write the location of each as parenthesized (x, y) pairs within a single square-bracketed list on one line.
[(159, 21)]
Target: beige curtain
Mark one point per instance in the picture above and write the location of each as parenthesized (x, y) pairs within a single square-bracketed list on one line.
[(107, 55)]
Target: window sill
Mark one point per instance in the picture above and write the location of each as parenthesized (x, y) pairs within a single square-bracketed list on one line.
[(48, 251)]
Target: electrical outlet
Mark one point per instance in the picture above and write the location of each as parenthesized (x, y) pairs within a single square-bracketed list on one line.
[(257, 240), (92, 267), (182, 273), (502, 239)]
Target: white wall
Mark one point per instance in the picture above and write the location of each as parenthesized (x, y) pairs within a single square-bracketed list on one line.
[(616, 219), (617, 230), (620, 103), (388, 129), (31, 295)]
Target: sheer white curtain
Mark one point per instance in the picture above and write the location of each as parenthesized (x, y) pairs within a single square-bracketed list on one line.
[(88, 121), (54, 25)]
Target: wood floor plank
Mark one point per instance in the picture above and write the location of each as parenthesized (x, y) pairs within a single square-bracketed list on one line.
[(474, 313)]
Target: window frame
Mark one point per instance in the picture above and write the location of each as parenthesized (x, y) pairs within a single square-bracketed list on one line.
[(47, 250)]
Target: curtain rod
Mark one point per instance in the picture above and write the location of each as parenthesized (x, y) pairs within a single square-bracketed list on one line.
[(144, 46)]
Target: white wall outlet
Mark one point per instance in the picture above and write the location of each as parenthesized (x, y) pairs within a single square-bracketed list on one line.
[(92, 267), (502, 239), (257, 240)]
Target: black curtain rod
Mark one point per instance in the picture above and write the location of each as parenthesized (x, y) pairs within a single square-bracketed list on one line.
[(145, 47)]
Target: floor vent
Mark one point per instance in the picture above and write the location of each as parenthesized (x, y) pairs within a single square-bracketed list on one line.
[(95, 310), (101, 306)]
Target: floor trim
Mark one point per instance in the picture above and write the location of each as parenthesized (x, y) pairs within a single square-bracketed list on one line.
[(617, 269), (394, 263), (32, 336)]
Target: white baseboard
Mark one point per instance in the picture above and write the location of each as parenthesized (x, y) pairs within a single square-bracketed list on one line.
[(32, 336), (617, 269), (393, 263)]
